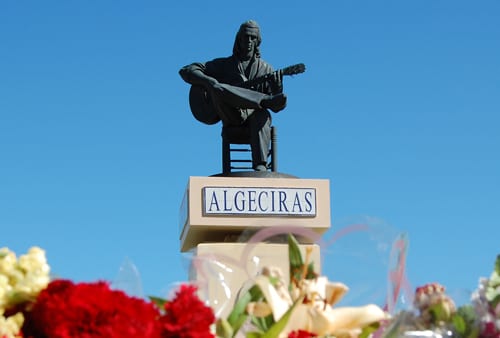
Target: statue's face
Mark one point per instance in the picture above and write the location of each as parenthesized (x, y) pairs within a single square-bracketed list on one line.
[(248, 42)]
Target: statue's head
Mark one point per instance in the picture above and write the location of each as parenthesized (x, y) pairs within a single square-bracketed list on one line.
[(248, 39)]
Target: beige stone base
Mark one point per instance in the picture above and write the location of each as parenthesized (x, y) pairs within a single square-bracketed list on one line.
[(197, 226), (221, 270)]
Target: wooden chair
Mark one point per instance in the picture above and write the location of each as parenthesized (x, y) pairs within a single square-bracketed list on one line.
[(240, 136)]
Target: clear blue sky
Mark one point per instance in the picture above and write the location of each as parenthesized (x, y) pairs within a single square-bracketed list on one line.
[(399, 108)]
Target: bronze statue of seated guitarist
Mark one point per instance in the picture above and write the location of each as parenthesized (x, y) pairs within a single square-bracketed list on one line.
[(239, 90)]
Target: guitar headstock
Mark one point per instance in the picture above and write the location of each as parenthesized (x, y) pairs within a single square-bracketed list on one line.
[(295, 69)]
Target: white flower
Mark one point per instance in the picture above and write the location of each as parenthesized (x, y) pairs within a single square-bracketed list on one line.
[(34, 261), (11, 326), (7, 261), (314, 312), (333, 321), (21, 280), (5, 288)]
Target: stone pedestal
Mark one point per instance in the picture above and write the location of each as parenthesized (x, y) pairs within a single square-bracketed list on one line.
[(222, 270), (217, 212), (215, 209)]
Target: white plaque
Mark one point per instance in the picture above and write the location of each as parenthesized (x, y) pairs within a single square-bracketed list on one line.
[(294, 202)]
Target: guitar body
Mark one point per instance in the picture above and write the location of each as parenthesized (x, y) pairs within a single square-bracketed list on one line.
[(201, 106)]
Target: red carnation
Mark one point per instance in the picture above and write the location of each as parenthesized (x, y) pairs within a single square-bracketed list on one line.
[(186, 316), (301, 334), (89, 310)]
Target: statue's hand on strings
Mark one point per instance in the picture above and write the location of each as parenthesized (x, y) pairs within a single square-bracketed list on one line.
[(277, 82)]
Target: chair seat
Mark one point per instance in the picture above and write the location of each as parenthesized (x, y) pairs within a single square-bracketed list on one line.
[(236, 134)]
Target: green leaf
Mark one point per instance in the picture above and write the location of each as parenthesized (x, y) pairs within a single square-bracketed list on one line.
[(263, 323), (459, 324), (223, 329), (497, 265), (276, 329), (311, 274), (368, 330), (437, 312), (297, 262), (254, 335), (294, 254), (238, 323), (238, 315), (493, 296), (465, 322), (159, 302)]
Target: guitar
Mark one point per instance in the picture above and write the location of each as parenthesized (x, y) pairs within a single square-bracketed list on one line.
[(199, 99)]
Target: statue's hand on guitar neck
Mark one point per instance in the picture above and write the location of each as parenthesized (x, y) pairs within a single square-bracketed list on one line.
[(276, 82), (274, 79)]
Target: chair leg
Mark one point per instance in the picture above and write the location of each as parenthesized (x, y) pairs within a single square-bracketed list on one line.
[(226, 161), (274, 149)]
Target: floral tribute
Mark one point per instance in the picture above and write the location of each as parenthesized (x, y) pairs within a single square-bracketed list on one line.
[(65, 309), (435, 314), (486, 303), (33, 306), (304, 309)]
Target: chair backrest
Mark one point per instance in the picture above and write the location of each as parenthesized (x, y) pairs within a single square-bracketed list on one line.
[(240, 136)]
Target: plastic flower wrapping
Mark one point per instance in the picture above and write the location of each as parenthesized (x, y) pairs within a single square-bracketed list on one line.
[(297, 303), (303, 306)]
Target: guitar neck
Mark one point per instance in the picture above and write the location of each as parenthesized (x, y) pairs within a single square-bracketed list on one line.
[(291, 70), (258, 80)]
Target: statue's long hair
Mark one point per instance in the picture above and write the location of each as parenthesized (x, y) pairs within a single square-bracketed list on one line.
[(236, 46)]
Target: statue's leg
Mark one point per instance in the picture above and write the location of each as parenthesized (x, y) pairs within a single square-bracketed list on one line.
[(241, 97), (260, 136), (250, 99), (234, 104)]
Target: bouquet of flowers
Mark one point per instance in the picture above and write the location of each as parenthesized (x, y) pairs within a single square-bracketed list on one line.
[(33, 306), (304, 309), (486, 303), (435, 314)]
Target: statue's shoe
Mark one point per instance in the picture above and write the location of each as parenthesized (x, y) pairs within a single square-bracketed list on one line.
[(261, 167)]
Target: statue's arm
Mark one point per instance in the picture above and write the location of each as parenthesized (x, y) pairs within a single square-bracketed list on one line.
[(195, 74)]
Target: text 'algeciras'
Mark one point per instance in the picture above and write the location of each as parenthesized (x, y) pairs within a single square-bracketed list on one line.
[(259, 201)]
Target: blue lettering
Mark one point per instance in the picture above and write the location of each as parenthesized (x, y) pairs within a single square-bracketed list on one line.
[(213, 201), (225, 202), (296, 203), (260, 200), (283, 201), (307, 197), (242, 200), (251, 200)]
